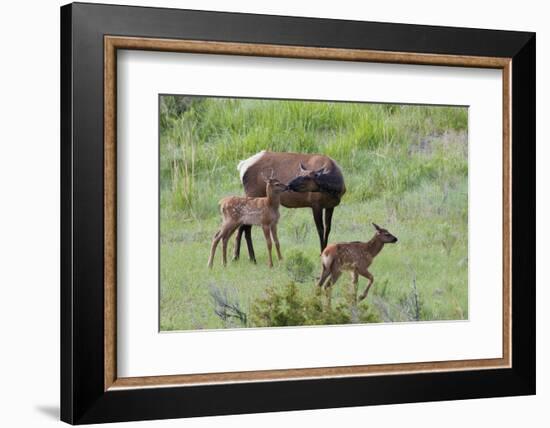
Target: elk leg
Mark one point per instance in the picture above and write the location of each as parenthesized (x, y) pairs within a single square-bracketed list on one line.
[(224, 251), (215, 242), (237, 251), (354, 281), (228, 231), (369, 276), (328, 223), (267, 235), (276, 240), (248, 237), (318, 217), (334, 275), (328, 294), (324, 275)]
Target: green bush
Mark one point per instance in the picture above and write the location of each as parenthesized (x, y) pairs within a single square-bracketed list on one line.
[(298, 266), (172, 107), (282, 307), (292, 306)]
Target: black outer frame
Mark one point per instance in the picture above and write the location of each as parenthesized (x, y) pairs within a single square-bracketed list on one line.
[(83, 399)]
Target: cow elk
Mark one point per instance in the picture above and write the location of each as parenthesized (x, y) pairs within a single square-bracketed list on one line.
[(316, 182), (355, 257), (240, 211)]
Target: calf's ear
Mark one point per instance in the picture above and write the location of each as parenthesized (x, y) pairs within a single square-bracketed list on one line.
[(376, 226)]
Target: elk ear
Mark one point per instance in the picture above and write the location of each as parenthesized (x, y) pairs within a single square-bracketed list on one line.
[(376, 226), (302, 167)]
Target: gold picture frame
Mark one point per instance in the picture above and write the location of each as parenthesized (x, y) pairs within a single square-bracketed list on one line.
[(114, 43)]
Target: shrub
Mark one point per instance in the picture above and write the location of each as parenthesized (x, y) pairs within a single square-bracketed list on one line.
[(290, 306), (279, 307), (172, 107), (298, 266), (227, 306)]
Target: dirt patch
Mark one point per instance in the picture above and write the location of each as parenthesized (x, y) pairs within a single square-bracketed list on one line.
[(426, 144)]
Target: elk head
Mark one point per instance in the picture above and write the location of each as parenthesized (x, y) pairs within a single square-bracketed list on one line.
[(274, 186), (309, 180), (384, 235)]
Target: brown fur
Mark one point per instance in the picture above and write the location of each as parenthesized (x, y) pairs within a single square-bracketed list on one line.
[(262, 211), (355, 257), (286, 167)]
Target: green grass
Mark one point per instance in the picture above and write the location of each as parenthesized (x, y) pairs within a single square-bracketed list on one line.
[(405, 167)]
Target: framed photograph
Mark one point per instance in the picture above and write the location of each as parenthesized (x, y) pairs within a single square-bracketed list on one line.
[(265, 213)]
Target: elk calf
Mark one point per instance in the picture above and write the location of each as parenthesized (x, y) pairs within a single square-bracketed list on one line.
[(238, 210), (355, 257)]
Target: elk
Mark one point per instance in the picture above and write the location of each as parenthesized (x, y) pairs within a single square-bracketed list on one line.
[(316, 182), (355, 257), (242, 210)]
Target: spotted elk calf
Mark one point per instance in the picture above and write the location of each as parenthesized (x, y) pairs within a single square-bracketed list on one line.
[(242, 210), (355, 257)]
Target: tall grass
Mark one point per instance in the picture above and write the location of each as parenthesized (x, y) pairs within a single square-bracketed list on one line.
[(405, 166)]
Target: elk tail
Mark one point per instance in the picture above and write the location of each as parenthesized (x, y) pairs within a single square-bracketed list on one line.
[(327, 259), (244, 165)]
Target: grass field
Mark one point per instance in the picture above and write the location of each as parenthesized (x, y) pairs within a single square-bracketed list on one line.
[(406, 168)]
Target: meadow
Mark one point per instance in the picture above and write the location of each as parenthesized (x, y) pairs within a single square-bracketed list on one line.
[(405, 167)]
